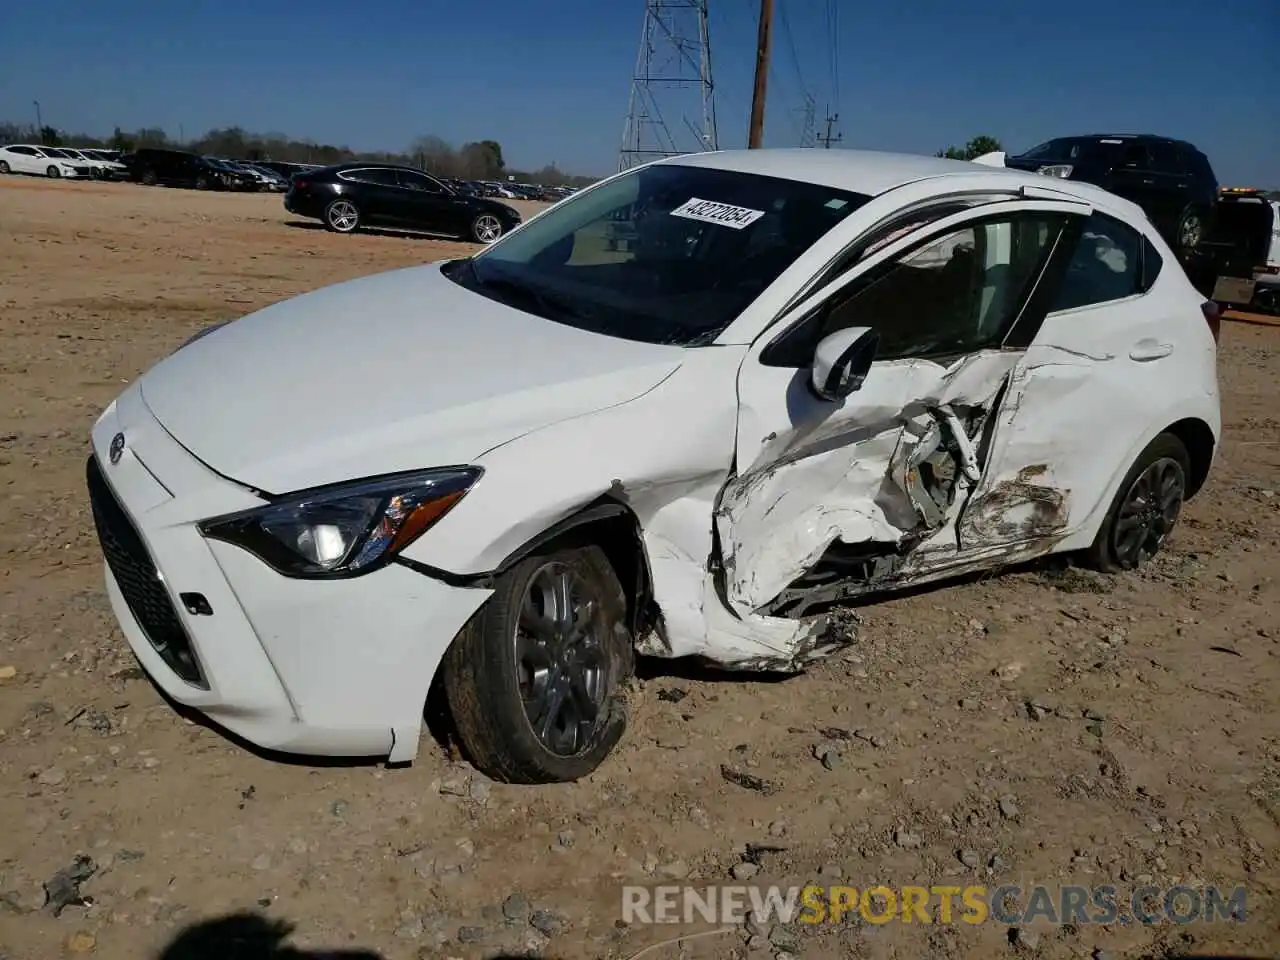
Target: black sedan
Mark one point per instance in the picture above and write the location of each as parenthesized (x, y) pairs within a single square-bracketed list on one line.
[(354, 195)]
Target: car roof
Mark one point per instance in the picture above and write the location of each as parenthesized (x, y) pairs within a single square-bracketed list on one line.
[(867, 172)]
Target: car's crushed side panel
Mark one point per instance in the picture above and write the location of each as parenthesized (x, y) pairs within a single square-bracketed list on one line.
[(854, 500)]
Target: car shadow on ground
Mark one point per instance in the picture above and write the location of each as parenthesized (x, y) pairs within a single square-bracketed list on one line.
[(252, 936), (379, 232)]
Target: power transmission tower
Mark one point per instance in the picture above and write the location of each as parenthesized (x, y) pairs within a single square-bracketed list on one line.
[(808, 132), (827, 139), (672, 79)]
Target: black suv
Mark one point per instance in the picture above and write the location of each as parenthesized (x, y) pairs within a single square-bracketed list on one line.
[(151, 166), (1170, 179)]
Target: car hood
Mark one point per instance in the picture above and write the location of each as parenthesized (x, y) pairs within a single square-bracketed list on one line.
[(397, 371)]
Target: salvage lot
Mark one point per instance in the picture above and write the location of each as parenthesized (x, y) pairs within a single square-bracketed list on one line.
[(1041, 726)]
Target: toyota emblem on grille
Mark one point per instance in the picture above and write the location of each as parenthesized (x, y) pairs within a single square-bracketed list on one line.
[(117, 448)]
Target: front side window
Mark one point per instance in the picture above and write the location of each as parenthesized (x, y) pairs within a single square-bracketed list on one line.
[(418, 181), (957, 293), (665, 254)]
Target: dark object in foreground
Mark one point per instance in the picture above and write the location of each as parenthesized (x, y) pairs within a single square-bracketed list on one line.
[(62, 890)]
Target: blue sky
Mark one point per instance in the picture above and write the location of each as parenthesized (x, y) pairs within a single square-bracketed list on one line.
[(550, 80)]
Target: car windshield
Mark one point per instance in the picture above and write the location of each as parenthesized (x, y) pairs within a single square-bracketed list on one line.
[(1063, 148), (665, 254)]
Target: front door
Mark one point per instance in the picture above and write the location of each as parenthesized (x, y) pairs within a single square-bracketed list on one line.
[(864, 490), (428, 205)]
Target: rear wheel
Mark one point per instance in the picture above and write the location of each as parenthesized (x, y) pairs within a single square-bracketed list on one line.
[(53, 172), (534, 681), (4, 167), (342, 216), (1145, 509), (149, 178), (202, 183), (1190, 230)]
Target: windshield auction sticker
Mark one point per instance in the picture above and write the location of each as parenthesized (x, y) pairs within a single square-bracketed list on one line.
[(708, 211)]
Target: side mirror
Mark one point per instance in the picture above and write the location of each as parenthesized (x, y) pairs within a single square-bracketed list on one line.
[(842, 361)]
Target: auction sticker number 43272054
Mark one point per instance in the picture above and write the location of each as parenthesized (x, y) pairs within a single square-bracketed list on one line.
[(708, 211)]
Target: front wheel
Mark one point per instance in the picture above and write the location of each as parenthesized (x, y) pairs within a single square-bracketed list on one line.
[(486, 228), (1145, 509), (52, 172), (4, 167), (534, 681)]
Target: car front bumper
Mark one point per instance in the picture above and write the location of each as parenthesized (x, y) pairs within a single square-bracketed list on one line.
[(321, 667)]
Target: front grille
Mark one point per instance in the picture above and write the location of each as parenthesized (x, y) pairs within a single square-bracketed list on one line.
[(139, 580)]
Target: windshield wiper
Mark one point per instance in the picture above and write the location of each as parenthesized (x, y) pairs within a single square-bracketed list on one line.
[(541, 302)]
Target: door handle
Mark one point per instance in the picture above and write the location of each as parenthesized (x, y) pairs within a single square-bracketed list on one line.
[(1146, 350), (1148, 182)]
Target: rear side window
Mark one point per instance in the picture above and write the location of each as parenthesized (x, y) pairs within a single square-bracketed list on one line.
[(1165, 157), (1107, 265)]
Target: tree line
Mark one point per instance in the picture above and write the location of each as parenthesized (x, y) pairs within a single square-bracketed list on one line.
[(477, 160)]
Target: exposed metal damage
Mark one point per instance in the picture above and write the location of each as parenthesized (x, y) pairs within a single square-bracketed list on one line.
[(905, 480)]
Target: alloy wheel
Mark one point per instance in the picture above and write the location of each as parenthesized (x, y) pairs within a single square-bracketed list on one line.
[(1191, 231), (561, 658), (1149, 512), (343, 216), (488, 228)]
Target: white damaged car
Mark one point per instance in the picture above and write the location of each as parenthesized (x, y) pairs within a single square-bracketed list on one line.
[(803, 376)]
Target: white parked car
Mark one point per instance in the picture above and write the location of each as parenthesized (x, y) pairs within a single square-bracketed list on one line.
[(513, 472), (102, 166), (44, 161)]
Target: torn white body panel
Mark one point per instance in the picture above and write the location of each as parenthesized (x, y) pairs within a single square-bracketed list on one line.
[(810, 474)]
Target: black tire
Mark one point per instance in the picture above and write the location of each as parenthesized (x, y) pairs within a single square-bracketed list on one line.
[(202, 183), (486, 677), (1110, 551), (342, 216), (483, 228), (1190, 231), (52, 172), (4, 167), (149, 178)]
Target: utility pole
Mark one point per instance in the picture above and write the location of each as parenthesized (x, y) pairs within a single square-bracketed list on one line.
[(828, 139), (755, 133)]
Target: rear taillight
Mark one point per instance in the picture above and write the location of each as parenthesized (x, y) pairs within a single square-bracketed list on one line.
[(1213, 317), (300, 184)]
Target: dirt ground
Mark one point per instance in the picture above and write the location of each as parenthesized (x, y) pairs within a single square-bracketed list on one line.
[(1045, 725)]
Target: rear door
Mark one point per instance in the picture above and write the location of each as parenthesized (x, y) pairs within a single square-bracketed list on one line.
[(1099, 372), (1133, 177), (871, 487), (377, 194)]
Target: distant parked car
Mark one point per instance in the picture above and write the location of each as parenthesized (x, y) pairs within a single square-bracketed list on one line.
[(98, 167), (268, 179), (1171, 180), (109, 168), (352, 195), (179, 168), (234, 176), (42, 161)]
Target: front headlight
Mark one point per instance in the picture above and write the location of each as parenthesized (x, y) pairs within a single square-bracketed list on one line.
[(347, 529), (1060, 170)]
